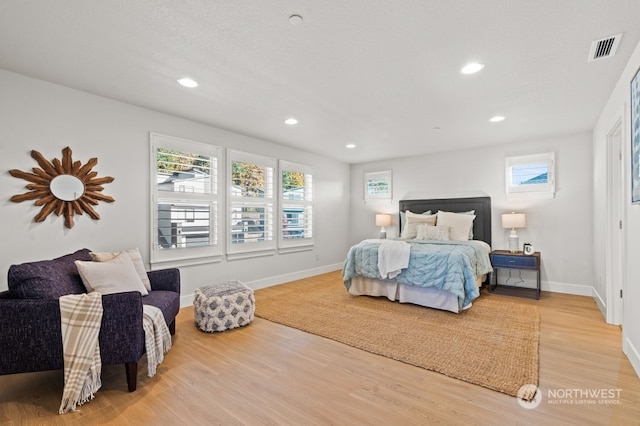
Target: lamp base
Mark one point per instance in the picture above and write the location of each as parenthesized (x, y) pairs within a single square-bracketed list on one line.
[(513, 242), (383, 235)]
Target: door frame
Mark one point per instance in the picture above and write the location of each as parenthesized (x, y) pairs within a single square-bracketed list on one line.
[(614, 248)]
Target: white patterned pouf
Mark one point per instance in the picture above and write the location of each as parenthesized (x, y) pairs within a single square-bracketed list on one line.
[(223, 306)]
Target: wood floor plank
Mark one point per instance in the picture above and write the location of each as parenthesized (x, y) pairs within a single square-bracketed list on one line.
[(270, 374)]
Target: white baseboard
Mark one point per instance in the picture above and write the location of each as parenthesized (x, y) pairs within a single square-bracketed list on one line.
[(602, 305), (268, 282), (632, 353), (187, 300), (577, 289)]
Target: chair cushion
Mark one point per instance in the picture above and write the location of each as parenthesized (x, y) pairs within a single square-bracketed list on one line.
[(167, 301), (47, 279)]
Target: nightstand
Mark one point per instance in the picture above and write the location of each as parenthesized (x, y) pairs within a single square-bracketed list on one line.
[(504, 259)]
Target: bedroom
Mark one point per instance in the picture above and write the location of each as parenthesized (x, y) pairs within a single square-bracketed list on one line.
[(40, 115)]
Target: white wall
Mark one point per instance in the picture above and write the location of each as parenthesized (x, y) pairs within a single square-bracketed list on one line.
[(619, 106), (559, 228), (45, 117)]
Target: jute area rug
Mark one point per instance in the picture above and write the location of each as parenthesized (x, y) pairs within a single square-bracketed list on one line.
[(494, 344)]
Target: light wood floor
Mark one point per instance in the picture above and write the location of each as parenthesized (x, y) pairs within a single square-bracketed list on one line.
[(269, 374)]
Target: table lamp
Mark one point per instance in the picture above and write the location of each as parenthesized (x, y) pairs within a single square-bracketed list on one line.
[(383, 220), (514, 220)]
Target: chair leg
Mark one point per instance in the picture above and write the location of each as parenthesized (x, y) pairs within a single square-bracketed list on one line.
[(172, 327), (132, 375)]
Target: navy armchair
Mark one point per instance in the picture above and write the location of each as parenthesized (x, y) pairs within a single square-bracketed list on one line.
[(30, 334)]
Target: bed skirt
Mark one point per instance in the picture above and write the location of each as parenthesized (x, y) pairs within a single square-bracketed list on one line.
[(403, 293)]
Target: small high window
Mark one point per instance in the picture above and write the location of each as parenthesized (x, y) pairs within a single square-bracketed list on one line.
[(530, 176)]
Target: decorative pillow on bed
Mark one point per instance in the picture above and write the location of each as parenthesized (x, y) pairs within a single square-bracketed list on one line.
[(409, 230), (460, 224), (117, 275), (403, 217), (471, 212), (428, 232)]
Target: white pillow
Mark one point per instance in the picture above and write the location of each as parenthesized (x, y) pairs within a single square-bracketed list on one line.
[(403, 217), (428, 232), (112, 276), (409, 230), (136, 259), (459, 223), (467, 212)]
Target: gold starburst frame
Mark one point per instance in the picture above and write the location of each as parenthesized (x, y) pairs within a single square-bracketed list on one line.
[(41, 191)]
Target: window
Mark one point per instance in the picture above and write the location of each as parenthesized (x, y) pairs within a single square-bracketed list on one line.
[(185, 200), (251, 205), (530, 176), (296, 206)]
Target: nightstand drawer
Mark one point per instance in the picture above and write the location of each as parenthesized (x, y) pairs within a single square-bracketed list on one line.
[(506, 261)]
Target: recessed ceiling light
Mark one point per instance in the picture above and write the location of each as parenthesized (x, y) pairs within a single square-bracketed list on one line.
[(295, 19), (497, 118), (350, 146), (291, 121), (472, 68), (187, 82)]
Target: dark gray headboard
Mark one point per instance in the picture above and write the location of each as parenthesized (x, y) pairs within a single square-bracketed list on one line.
[(482, 206)]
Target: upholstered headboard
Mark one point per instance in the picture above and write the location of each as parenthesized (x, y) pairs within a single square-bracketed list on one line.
[(481, 205)]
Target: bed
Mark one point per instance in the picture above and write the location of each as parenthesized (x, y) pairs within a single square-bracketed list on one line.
[(440, 274)]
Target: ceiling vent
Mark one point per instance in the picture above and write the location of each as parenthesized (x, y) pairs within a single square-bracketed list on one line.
[(604, 48)]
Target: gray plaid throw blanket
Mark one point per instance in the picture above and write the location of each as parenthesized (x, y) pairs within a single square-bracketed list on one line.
[(81, 316), (157, 338)]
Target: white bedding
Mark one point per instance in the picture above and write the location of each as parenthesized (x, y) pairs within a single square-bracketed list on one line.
[(393, 257), (423, 296)]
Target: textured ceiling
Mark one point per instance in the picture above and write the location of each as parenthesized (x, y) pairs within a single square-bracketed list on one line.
[(381, 74)]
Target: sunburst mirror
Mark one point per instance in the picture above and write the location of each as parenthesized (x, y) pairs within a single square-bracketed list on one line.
[(65, 187)]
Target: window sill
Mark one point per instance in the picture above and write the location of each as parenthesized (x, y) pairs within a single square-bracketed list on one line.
[(176, 263), (530, 195), (295, 249), (250, 254)]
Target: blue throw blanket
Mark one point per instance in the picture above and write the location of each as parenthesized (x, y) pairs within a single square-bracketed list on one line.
[(447, 265)]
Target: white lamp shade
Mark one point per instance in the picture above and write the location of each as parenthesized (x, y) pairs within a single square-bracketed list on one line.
[(514, 220), (383, 220)]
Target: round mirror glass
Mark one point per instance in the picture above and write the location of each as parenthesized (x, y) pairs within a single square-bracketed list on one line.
[(66, 187)]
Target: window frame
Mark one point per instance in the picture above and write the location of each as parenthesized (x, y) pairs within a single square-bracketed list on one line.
[(295, 244), (265, 247), (180, 256), (542, 190)]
